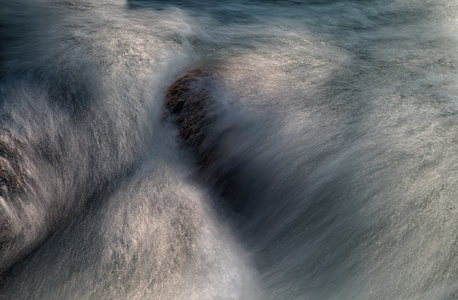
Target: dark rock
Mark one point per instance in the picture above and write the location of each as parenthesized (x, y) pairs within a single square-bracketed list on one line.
[(188, 101), (191, 105)]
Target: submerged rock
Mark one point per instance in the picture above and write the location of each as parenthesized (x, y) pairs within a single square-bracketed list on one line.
[(190, 103), (187, 100)]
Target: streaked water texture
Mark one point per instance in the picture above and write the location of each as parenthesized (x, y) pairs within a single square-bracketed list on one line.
[(338, 119)]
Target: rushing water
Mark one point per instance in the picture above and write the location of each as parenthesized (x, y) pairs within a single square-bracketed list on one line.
[(343, 125)]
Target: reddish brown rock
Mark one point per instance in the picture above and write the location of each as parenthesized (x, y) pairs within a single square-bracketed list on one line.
[(187, 100), (191, 105), (188, 103)]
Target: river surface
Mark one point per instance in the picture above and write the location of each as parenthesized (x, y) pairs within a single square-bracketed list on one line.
[(343, 127)]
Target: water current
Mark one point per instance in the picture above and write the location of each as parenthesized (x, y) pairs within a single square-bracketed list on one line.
[(343, 130)]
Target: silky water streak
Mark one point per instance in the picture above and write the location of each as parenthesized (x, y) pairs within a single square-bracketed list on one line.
[(326, 170)]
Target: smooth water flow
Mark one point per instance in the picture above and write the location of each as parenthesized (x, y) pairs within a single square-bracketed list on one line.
[(337, 121)]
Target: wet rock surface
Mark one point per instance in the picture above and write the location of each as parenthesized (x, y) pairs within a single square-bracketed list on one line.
[(191, 105), (187, 101)]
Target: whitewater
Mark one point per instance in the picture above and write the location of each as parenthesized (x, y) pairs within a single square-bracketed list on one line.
[(336, 120)]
